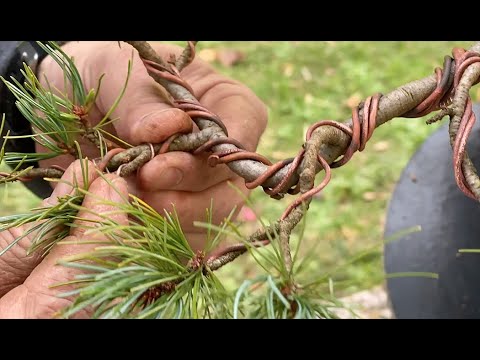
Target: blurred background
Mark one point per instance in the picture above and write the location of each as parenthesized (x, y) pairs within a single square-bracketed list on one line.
[(301, 83)]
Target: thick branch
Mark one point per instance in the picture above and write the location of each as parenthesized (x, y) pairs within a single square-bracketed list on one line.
[(462, 94), (334, 142), (187, 142), (285, 227)]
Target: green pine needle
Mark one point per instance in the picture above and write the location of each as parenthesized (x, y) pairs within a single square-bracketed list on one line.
[(150, 277), (2, 149), (70, 71), (54, 115)]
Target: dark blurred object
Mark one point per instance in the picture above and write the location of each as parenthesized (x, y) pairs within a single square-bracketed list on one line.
[(427, 195), (226, 57), (230, 57)]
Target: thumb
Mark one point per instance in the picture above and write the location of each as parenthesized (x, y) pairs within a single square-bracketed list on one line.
[(102, 198), (145, 113), (74, 177), (36, 298), (15, 264)]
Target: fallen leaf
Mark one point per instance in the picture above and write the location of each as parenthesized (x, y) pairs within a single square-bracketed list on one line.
[(381, 146), (353, 100), (306, 74), (288, 70), (330, 71), (349, 234), (247, 214), (229, 57), (208, 55), (413, 177), (308, 98), (370, 196)]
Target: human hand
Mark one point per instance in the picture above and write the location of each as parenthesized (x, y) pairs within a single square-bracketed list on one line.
[(25, 280), (145, 115)]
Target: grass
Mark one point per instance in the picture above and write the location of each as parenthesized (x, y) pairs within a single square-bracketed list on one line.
[(303, 82), (15, 197)]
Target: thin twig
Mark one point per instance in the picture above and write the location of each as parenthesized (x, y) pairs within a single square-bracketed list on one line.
[(224, 256), (187, 56), (28, 175)]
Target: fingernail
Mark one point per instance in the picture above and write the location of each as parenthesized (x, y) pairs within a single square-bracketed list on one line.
[(171, 177), (117, 180), (117, 189), (119, 183)]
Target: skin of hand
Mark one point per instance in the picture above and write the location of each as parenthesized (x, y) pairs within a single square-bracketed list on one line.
[(25, 281), (145, 114)]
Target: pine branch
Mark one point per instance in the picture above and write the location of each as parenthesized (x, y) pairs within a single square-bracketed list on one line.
[(162, 284)]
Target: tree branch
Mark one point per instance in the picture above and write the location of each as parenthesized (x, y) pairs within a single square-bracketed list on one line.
[(459, 105), (334, 141)]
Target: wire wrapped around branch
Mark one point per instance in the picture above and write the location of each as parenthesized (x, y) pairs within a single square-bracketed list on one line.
[(464, 59), (441, 95), (394, 104), (283, 177), (232, 151), (360, 133)]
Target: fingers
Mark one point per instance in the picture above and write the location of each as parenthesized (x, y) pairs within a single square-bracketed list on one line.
[(15, 265), (181, 171), (192, 206), (244, 115), (35, 298), (241, 110), (144, 114), (101, 201)]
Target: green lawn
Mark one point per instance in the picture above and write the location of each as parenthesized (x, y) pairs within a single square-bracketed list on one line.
[(301, 83)]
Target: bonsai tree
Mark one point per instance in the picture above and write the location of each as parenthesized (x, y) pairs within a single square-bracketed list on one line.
[(147, 268)]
